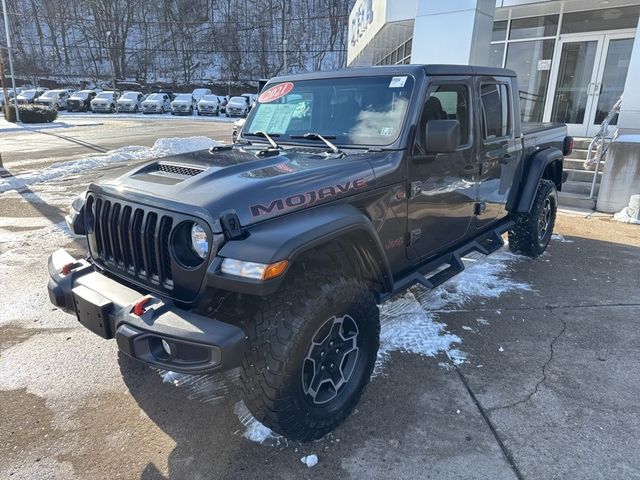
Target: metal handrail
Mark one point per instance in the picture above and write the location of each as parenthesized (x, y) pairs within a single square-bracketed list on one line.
[(601, 143)]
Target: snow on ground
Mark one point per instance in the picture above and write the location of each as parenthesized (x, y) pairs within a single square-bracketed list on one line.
[(161, 148), (560, 238)]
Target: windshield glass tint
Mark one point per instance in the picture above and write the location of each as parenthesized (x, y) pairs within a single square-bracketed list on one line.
[(80, 95), (49, 94), (352, 111), (184, 97), (210, 98), (155, 96), (238, 100), (130, 96), (105, 95)]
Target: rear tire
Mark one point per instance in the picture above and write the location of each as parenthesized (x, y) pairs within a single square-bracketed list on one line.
[(532, 232), (312, 348)]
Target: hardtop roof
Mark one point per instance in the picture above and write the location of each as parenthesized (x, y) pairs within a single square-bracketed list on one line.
[(430, 70)]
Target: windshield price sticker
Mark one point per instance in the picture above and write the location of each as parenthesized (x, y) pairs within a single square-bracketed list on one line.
[(276, 92), (397, 82), (273, 118)]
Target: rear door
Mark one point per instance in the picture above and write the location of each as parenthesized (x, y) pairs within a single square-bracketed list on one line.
[(498, 148), (443, 186)]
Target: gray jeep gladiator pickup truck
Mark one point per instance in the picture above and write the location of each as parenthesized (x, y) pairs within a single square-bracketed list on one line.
[(273, 254)]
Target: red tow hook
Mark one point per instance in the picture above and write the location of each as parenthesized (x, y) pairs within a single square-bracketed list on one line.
[(139, 307), (66, 269)]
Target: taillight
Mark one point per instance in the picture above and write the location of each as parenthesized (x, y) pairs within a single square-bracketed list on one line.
[(567, 147)]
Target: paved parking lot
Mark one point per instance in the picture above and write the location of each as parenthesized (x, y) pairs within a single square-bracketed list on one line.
[(518, 368)]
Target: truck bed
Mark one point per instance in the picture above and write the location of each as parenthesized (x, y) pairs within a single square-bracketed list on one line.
[(543, 135)]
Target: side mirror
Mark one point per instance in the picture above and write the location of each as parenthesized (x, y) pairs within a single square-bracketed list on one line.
[(442, 136)]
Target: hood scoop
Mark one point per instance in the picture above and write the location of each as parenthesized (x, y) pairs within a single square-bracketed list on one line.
[(167, 173), (177, 170)]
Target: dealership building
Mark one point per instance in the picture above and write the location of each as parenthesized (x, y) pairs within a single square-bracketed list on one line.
[(573, 58)]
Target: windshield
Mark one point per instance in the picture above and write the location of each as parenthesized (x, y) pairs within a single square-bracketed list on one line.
[(210, 98), (129, 96), (155, 96), (184, 97), (350, 111), (49, 94), (81, 94), (27, 93), (104, 96), (238, 100)]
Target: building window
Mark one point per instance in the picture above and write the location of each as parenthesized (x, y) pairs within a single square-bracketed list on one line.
[(495, 110), (595, 20), (496, 54), (532, 63), (534, 27), (399, 56), (499, 31)]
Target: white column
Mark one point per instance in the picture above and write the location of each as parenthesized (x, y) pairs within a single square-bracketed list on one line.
[(621, 177), (629, 118), (453, 31)]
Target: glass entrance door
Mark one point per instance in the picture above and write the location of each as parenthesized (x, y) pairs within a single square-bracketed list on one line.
[(588, 79)]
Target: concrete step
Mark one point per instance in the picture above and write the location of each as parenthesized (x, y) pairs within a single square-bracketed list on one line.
[(578, 154), (574, 200), (575, 164), (580, 175), (581, 143), (581, 188)]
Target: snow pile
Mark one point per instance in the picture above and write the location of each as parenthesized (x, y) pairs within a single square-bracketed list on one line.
[(254, 430), (310, 460), (161, 148), (204, 388), (408, 323), (630, 214), (560, 238)]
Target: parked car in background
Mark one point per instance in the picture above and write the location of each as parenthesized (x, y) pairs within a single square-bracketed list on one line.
[(105, 101), (198, 93), (9, 94), (209, 105), (237, 128), (29, 96), (56, 99), (157, 103), (183, 104), (238, 107), (130, 102), (251, 98), (81, 101)]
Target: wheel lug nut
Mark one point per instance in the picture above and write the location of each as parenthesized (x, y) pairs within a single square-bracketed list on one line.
[(337, 350), (322, 354), (322, 367)]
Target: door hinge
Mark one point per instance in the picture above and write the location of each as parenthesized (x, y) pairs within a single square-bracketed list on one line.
[(415, 190), (231, 225), (479, 208), (414, 236)]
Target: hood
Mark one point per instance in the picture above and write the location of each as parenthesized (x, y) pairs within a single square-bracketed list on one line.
[(152, 102), (127, 100), (237, 104), (256, 188), (207, 102), (181, 102)]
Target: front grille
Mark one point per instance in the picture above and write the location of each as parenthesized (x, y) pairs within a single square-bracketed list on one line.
[(131, 240), (179, 170)]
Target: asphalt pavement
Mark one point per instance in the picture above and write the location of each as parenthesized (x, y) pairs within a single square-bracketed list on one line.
[(548, 387)]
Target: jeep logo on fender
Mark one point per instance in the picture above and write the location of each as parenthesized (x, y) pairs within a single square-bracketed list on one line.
[(306, 199)]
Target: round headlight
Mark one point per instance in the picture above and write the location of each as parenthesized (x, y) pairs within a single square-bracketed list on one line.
[(199, 241)]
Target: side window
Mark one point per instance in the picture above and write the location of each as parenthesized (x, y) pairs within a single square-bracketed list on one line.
[(445, 102), (496, 118)]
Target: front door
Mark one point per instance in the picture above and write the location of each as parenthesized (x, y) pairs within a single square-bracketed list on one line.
[(588, 80), (443, 187)]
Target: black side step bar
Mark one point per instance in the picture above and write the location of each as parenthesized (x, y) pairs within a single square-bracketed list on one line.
[(435, 272)]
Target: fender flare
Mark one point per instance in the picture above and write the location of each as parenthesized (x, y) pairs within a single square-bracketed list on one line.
[(290, 236), (535, 172)]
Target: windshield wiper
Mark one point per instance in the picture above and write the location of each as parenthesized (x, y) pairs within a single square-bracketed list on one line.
[(317, 136), (268, 136)]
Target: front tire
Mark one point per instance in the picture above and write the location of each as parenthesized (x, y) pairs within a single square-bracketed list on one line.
[(312, 348), (532, 232)]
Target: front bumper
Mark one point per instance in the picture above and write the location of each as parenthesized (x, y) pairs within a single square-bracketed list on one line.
[(196, 344)]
